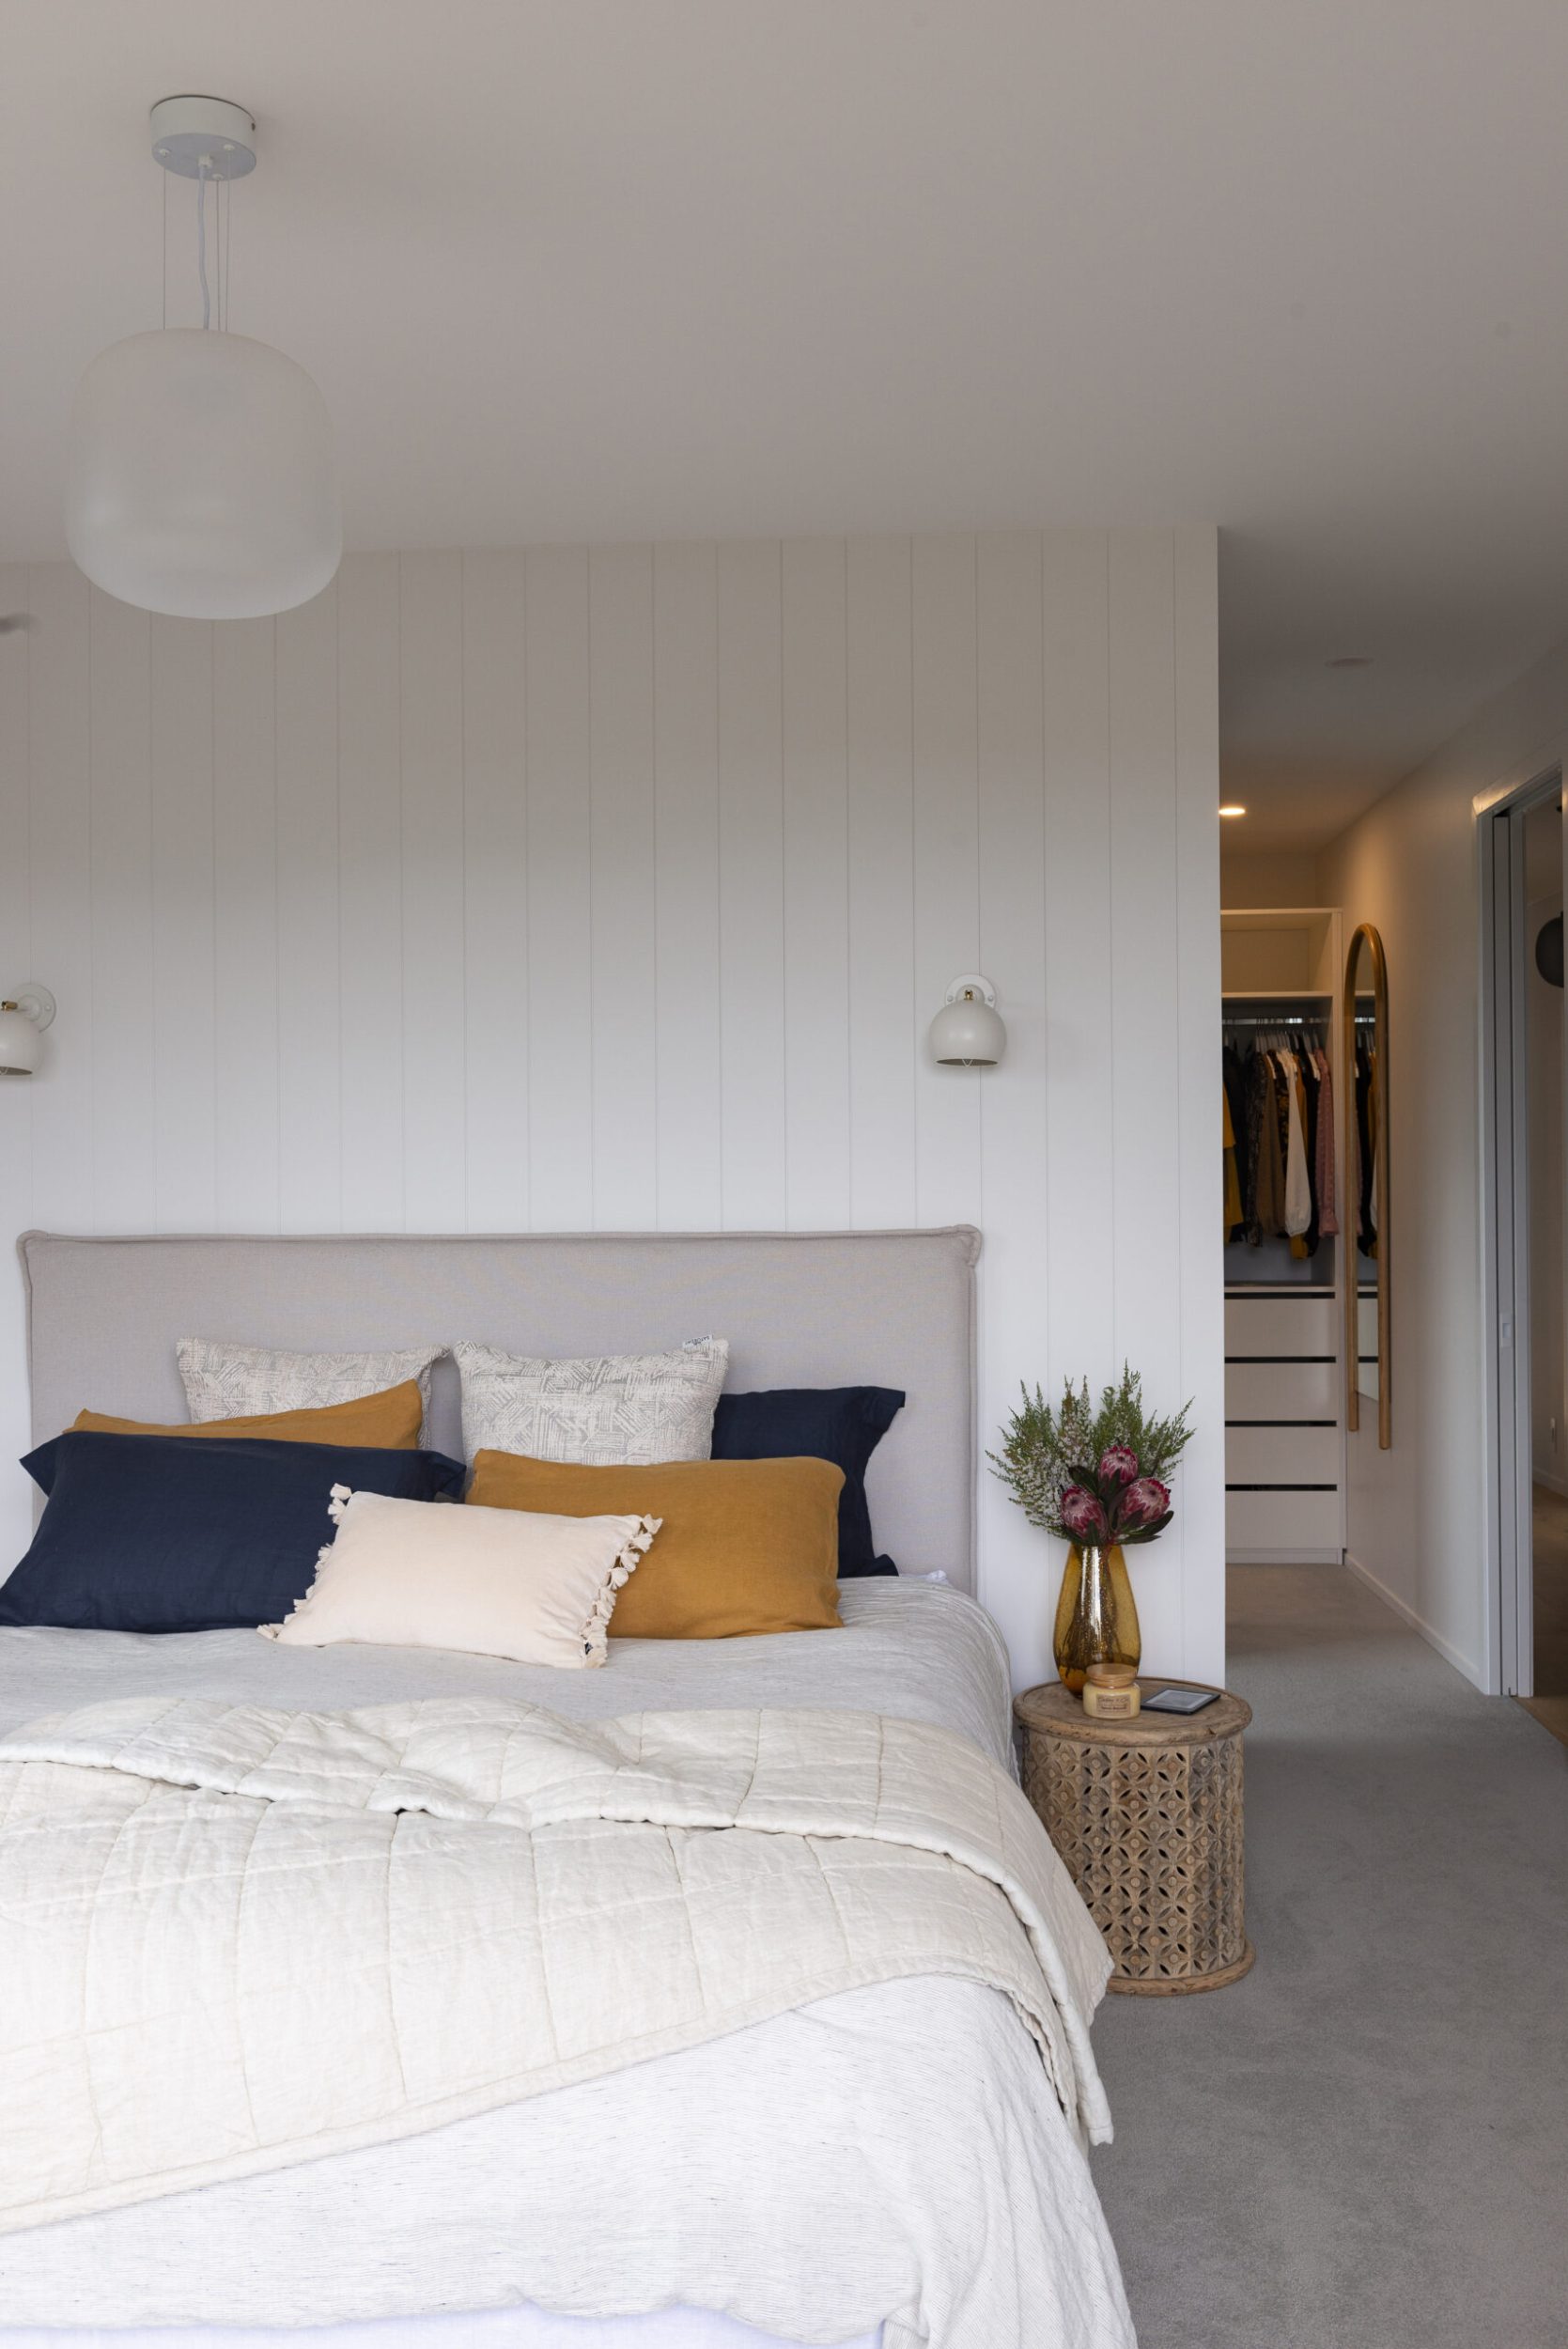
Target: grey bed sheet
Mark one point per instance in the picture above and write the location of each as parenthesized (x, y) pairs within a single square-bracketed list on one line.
[(432, 2221)]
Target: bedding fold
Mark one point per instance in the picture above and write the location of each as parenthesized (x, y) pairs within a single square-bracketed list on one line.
[(234, 1937)]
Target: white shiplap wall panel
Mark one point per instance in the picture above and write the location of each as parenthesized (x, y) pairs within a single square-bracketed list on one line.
[(816, 888), (245, 907), (15, 1094), (884, 1013), (1201, 1527), (120, 883), (435, 1133), (689, 1051), (625, 976), (1145, 1320), (554, 889), (495, 836), (1010, 755), (1081, 1074), (310, 1103), (946, 864), (560, 894), (184, 1002), (59, 659), (370, 892), (750, 887)]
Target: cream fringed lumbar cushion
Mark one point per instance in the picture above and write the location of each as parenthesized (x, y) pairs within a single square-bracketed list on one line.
[(601, 1410), (223, 1381), (535, 1588)]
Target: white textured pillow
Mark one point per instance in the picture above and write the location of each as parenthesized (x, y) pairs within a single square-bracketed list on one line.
[(489, 1582), (604, 1411), (225, 1381)]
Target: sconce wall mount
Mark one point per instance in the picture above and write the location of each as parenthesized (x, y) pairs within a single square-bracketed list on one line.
[(968, 1031), (25, 1011)]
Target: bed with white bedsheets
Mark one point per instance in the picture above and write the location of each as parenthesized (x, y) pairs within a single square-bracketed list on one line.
[(891, 2162)]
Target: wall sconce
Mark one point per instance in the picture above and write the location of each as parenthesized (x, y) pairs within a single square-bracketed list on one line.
[(24, 1017), (968, 1032)]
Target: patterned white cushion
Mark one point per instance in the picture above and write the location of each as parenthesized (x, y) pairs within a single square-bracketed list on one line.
[(225, 1381), (604, 1410)]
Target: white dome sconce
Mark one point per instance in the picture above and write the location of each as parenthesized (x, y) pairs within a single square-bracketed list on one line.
[(24, 1016), (968, 1032)]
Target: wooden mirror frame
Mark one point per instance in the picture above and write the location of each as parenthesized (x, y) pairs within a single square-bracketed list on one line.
[(1351, 1228)]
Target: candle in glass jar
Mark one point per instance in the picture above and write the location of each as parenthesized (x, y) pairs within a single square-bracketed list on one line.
[(1110, 1692)]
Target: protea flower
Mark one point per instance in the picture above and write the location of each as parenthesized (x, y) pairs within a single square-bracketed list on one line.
[(1082, 1515), (1118, 1464), (1144, 1499)]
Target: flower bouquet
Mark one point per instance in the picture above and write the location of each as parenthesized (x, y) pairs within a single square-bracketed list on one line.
[(1099, 1479)]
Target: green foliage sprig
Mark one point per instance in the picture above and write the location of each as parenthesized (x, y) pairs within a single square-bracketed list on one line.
[(1089, 1475)]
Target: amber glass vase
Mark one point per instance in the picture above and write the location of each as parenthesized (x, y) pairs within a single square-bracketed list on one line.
[(1097, 1616)]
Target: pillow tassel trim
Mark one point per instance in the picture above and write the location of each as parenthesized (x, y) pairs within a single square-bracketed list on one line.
[(595, 1631), (337, 1501)]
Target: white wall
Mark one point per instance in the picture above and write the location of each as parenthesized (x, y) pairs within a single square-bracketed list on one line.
[(1544, 1047), (616, 889), (1410, 865), (1279, 876)]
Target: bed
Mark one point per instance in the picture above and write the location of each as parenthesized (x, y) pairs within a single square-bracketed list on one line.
[(888, 2164)]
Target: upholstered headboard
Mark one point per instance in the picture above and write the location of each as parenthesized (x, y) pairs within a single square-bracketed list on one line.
[(893, 1309)]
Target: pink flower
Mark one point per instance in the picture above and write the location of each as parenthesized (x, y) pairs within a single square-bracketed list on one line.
[(1118, 1464), (1082, 1514), (1144, 1499)]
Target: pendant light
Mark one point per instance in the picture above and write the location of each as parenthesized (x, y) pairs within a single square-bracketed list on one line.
[(202, 478)]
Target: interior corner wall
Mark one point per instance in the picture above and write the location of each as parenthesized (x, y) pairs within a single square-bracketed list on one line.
[(1284, 877), (1411, 866), (616, 888)]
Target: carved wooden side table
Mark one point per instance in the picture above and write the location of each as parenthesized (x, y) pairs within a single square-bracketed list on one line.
[(1147, 1814)]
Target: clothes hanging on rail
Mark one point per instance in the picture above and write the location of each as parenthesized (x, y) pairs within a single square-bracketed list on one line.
[(1366, 1141), (1233, 1177), (1299, 1187), (1328, 1221), (1278, 1137), (1235, 1085)]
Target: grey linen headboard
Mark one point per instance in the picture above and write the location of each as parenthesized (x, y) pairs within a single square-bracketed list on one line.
[(891, 1309)]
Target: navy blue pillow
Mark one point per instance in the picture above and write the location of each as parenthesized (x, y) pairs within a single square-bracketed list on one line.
[(180, 1534), (844, 1424)]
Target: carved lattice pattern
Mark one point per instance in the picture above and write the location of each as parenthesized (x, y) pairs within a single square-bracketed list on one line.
[(1152, 1836)]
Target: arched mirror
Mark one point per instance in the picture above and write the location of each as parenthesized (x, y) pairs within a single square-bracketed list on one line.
[(1366, 1225)]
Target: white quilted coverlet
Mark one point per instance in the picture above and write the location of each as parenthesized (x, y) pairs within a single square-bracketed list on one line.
[(234, 1937)]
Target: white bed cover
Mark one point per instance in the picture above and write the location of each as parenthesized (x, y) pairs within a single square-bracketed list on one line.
[(705, 2177)]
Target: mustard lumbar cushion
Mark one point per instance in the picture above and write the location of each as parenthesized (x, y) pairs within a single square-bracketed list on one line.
[(388, 1421), (745, 1546)]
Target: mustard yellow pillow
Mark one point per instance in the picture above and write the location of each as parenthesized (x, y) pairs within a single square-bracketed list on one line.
[(388, 1421), (746, 1546)]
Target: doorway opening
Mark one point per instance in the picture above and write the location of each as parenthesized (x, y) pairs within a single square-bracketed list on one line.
[(1525, 1176)]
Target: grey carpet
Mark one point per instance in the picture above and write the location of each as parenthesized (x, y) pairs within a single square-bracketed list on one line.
[(1364, 2144)]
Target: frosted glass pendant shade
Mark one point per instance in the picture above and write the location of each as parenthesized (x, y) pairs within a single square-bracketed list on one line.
[(202, 480)]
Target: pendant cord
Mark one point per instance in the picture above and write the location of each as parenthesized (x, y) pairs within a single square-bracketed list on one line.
[(201, 244), (163, 247)]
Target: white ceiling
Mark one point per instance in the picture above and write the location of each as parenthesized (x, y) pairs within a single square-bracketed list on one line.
[(590, 269)]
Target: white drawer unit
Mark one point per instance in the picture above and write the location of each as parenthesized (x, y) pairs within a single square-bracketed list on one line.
[(1282, 1329), (1276, 1390), (1284, 1442)]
